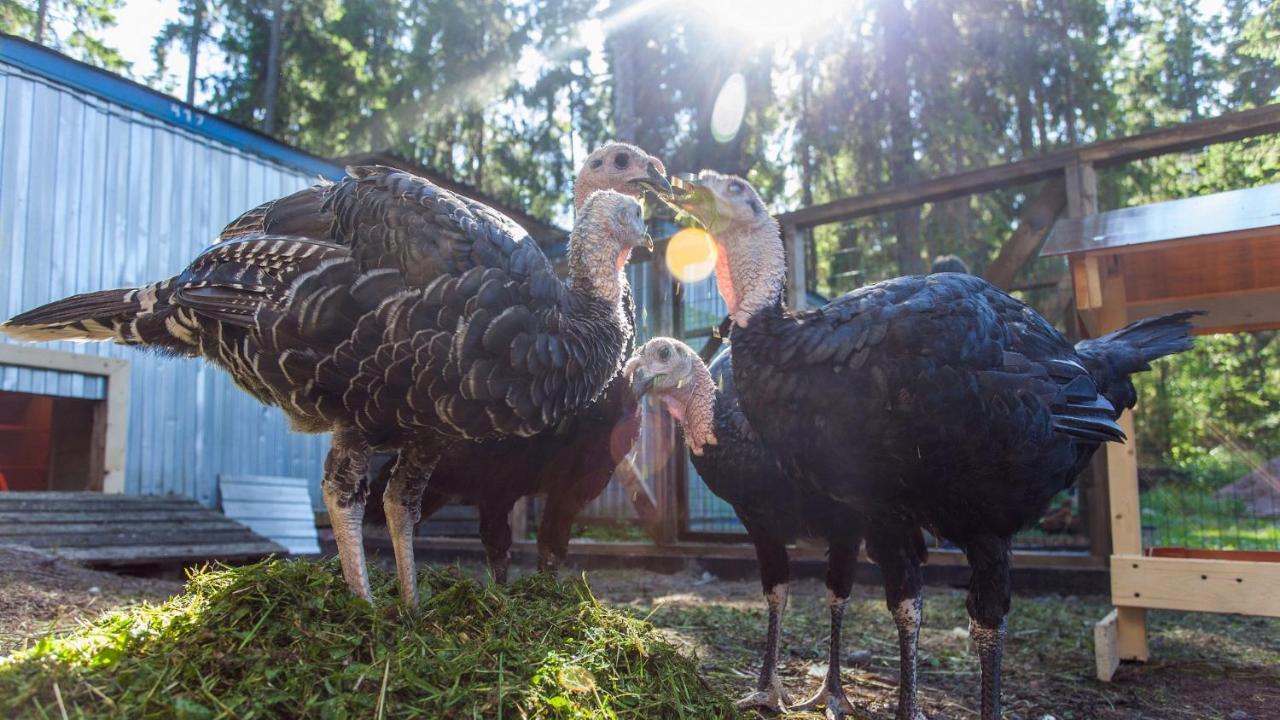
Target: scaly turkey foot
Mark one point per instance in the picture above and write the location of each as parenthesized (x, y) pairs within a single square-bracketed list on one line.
[(774, 699), (837, 706)]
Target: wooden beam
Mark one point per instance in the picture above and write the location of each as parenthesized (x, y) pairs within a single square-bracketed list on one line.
[(1250, 123), (1220, 586), (1034, 223), (1106, 646)]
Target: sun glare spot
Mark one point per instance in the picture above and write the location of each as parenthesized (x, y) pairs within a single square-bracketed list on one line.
[(731, 105), (691, 255), (771, 22)]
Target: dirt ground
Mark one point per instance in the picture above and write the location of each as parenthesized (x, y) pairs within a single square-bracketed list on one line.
[(1203, 666), (40, 593)]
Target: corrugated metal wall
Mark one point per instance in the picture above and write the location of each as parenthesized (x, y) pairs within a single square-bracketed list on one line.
[(95, 196)]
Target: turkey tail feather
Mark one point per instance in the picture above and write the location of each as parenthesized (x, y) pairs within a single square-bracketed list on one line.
[(96, 316), (1112, 358)]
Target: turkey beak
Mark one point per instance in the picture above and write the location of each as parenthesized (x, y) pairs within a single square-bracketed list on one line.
[(694, 198), (655, 180), (641, 382), (647, 242)]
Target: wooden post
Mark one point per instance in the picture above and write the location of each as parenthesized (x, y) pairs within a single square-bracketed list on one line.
[(1130, 626), (1082, 190), (1081, 182), (659, 428), (793, 243)]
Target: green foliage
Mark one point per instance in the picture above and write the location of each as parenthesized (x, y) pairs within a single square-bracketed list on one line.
[(85, 19), (1214, 410), (1187, 515), (287, 639)]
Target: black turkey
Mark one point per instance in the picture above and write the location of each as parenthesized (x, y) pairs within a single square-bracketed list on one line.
[(774, 506), (936, 401), (411, 318)]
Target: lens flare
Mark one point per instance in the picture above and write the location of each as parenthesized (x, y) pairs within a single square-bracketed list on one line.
[(730, 107), (691, 255)]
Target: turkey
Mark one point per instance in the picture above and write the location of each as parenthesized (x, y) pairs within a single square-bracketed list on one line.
[(409, 317), (570, 464), (936, 401), (775, 507)]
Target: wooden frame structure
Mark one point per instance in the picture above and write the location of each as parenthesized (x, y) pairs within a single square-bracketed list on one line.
[(111, 420), (1220, 253)]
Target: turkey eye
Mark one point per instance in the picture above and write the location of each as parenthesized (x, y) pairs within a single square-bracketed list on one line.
[(596, 163), (621, 160), (735, 187), (664, 353)]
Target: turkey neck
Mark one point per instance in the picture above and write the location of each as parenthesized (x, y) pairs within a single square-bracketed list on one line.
[(753, 271), (694, 406), (596, 259)]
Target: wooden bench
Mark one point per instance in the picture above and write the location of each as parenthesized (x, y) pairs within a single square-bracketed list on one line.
[(104, 530)]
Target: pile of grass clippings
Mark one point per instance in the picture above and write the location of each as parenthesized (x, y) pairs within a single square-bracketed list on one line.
[(286, 639)]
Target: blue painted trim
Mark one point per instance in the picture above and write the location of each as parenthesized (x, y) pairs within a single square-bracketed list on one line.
[(122, 91)]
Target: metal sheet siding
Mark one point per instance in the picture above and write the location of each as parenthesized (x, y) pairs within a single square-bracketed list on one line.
[(94, 195)]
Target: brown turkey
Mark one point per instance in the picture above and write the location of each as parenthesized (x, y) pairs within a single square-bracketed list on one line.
[(394, 314)]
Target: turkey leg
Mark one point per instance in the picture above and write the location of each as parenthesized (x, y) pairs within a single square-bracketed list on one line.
[(495, 534), (988, 603), (402, 503), (344, 488), (842, 559), (774, 572), (894, 550)]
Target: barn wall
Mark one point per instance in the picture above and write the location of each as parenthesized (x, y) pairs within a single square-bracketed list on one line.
[(95, 195)]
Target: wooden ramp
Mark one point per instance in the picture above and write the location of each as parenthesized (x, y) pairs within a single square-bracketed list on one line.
[(102, 530), (275, 507)]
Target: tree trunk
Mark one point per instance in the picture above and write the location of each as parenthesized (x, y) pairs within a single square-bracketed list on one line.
[(1073, 138), (271, 94), (42, 16), (906, 222), (621, 46), (806, 166), (193, 50)]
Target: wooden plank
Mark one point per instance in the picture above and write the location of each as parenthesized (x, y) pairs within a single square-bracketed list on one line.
[(32, 528), (1220, 586), (1034, 223), (1272, 556), (1237, 311), (89, 497), (1250, 123), (1106, 647), (156, 516), (169, 553), (46, 359), (1226, 267), (44, 506), (119, 537), (812, 552)]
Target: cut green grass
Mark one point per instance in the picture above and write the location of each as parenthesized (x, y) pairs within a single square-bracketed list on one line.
[(287, 639)]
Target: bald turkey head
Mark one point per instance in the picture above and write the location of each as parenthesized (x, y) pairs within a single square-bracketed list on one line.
[(622, 168)]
